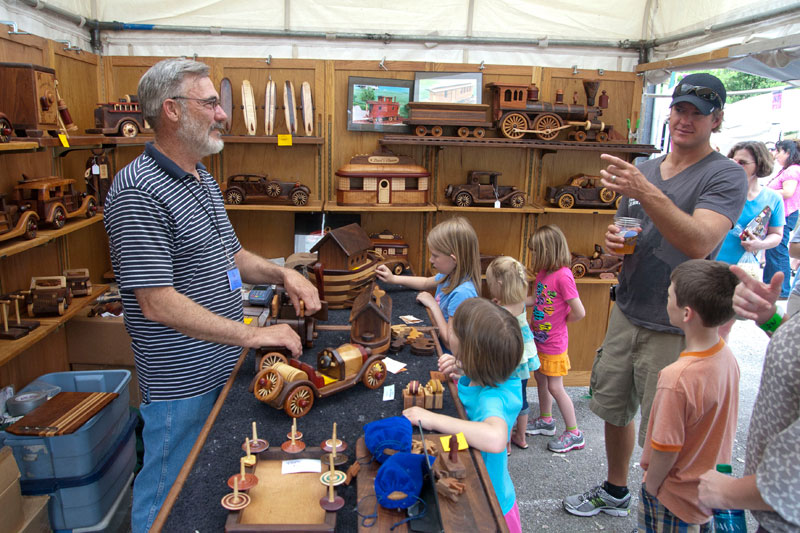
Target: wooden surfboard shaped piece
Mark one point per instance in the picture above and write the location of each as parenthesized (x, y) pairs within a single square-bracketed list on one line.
[(226, 101), (249, 106), (289, 107), (308, 108), (270, 105)]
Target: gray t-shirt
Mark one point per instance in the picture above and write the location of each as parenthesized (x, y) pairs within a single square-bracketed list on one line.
[(715, 183), (773, 443)]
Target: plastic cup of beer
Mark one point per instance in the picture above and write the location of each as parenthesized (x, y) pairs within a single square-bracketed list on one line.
[(629, 228)]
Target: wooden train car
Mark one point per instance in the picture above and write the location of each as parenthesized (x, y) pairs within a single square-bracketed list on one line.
[(123, 118), (382, 178), (516, 114), (434, 117)]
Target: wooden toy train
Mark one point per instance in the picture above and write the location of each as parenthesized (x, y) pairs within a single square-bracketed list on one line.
[(515, 112)]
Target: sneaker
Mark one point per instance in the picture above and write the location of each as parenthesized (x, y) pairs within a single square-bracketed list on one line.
[(595, 501), (540, 427), (566, 441)]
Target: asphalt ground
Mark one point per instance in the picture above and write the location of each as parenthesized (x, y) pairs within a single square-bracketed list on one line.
[(543, 478)]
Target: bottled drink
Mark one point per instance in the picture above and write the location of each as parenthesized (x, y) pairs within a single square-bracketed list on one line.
[(729, 520)]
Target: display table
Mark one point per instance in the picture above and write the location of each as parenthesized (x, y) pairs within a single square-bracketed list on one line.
[(194, 502)]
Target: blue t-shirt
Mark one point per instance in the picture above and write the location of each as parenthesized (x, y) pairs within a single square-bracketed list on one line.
[(448, 303), (732, 250), (530, 356), (503, 401)]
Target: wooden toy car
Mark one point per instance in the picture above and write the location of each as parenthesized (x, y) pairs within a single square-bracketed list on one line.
[(607, 265), (293, 385), (78, 281), (254, 188), (16, 220), (48, 295), (54, 199), (393, 249), (477, 192), (583, 191), (123, 118)]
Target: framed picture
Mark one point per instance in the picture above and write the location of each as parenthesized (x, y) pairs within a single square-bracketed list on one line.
[(378, 104), (452, 87)]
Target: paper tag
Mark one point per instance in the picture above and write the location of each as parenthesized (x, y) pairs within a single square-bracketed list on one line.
[(388, 392), (497, 204), (285, 139), (103, 172), (95, 169), (394, 366), (297, 466), (410, 319), (63, 139)]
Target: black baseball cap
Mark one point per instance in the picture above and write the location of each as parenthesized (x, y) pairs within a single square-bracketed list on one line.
[(704, 91)]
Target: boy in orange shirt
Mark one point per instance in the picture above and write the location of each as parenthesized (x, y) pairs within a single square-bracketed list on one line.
[(693, 419)]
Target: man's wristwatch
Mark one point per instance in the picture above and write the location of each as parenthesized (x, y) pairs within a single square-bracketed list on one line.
[(772, 324)]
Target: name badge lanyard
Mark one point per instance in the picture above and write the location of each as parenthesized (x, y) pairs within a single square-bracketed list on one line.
[(234, 277)]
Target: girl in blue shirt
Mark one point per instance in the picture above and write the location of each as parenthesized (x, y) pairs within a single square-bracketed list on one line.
[(455, 257), (487, 345)]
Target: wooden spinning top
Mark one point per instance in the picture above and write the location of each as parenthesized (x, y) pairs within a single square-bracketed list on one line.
[(333, 444), (331, 502), (235, 501), (249, 459), (242, 480), (294, 444), (257, 445)]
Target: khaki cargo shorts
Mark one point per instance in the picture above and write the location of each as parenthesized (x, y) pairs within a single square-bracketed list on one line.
[(625, 370)]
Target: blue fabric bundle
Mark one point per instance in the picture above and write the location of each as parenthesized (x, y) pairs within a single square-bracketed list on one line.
[(400, 477), (393, 434)]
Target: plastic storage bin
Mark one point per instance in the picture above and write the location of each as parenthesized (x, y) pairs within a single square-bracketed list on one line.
[(80, 452), (84, 501), (117, 519)]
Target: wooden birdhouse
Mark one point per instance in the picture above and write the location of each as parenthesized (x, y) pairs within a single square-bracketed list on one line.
[(371, 319), (345, 248), (382, 178)]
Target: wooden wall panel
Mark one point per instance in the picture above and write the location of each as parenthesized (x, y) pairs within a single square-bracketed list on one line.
[(586, 336), (75, 74), (88, 248), (583, 231), (266, 233), (12, 166), (17, 270), (46, 356), (23, 49)]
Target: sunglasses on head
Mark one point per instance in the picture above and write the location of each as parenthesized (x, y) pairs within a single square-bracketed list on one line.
[(701, 92)]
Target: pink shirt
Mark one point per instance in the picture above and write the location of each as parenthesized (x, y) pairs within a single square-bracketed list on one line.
[(549, 318), (792, 173)]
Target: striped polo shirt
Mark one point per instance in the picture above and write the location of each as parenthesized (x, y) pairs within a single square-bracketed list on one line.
[(167, 229)]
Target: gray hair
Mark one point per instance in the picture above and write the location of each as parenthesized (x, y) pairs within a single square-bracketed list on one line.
[(164, 80)]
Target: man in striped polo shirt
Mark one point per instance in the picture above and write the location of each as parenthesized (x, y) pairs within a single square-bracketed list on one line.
[(179, 267)]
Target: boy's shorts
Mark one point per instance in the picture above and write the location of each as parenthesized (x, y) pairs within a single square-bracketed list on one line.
[(625, 370), (554, 365), (655, 518)]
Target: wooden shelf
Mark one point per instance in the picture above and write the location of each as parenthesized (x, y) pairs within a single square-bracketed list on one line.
[(19, 146), (19, 244), (92, 140), (311, 206), (10, 349), (271, 139), (332, 206), (581, 210), (596, 281), (527, 208)]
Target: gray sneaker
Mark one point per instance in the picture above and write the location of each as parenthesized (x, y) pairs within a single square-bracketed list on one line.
[(595, 501), (540, 427), (566, 441)]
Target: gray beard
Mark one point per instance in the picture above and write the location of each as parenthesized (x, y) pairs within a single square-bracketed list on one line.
[(192, 134)]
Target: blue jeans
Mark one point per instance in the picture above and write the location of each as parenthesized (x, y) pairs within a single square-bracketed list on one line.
[(777, 259), (170, 430)]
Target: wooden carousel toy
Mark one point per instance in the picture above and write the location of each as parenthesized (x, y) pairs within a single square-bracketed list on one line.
[(243, 480), (256, 445), (235, 501), (294, 444)]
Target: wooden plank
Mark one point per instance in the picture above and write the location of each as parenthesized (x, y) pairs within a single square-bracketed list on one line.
[(683, 62)]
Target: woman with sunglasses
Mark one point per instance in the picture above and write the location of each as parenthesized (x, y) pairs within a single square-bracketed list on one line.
[(786, 184), (756, 161)]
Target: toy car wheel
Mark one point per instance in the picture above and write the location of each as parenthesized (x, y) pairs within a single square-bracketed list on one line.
[(617, 201), (566, 201), (5, 129), (606, 195), (512, 123), (479, 133), (268, 384), (91, 208), (463, 132), (517, 201), (463, 199), (299, 401), (420, 131), (299, 197), (375, 375), (270, 358), (273, 189), (602, 137), (128, 129), (30, 229), (548, 125), (61, 307), (437, 131), (59, 217), (234, 196), (578, 270), (398, 269), (579, 136)]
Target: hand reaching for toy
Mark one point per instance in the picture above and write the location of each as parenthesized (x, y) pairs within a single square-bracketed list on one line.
[(419, 415), (384, 274), (448, 365), (426, 299)]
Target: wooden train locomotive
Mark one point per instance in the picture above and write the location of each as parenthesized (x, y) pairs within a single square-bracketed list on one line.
[(516, 111), (293, 385)]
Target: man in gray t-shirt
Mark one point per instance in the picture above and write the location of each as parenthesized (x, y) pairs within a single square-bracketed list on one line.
[(687, 200)]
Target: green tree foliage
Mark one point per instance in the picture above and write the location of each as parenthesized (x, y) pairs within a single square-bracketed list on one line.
[(740, 81)]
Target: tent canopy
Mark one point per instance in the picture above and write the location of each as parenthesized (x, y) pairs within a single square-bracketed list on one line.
[(615, 34)]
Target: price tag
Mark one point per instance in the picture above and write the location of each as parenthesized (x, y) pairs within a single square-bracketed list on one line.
[(95, 169), (285, 139), (63, 139), (497, 204), (388, 393), (103, 172)]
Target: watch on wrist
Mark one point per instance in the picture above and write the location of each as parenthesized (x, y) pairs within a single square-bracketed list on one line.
[(772, 324)]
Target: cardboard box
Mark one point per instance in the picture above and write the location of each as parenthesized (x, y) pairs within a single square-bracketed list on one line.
[(34, 509), (10, 493)]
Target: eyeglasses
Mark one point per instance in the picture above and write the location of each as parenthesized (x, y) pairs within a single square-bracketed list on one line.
[(743, 163), (208, 103), (701, 92)]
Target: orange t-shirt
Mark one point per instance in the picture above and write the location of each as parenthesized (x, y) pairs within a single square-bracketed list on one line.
[(694, 413)]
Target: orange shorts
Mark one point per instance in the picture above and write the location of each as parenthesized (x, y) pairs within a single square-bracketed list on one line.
[(554, 365)]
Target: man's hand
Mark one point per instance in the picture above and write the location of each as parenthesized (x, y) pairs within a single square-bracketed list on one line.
[(754, 299), (300, 289), (709, 493), (624, 178), (614, 241), (278, 335)]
